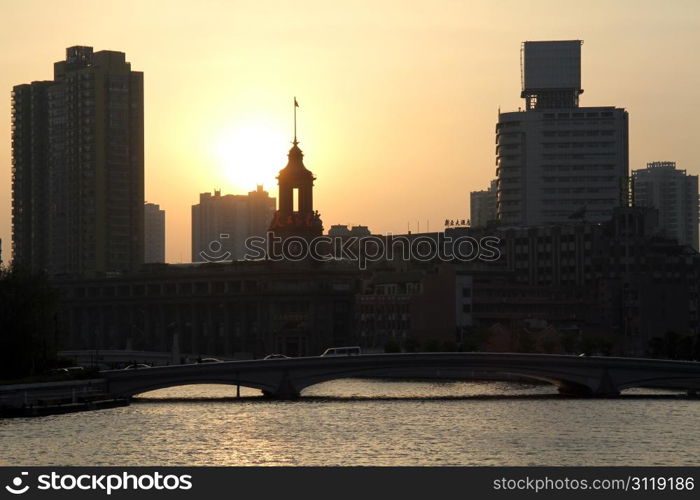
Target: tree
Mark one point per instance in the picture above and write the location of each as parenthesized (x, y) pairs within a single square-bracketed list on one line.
[(431, 345), (656, 347), (449, 346), (569, 342), (410, 345), (526, 342), (392, 346), (28, 323), (671, 344)]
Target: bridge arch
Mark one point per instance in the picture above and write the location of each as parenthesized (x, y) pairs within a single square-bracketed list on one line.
[(566, 383), (142, 386)]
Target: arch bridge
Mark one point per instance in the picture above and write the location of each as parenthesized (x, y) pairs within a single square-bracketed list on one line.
[(286, 378)]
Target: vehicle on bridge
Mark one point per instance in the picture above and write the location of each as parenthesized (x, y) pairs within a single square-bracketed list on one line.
[(276, 356), (137, 366), (66, 370), (342, 351), (209, 360)]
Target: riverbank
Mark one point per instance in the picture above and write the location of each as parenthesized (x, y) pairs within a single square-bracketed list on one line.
[(44, 410), (49, 398)]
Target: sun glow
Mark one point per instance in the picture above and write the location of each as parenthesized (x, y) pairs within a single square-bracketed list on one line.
[(251, 153)]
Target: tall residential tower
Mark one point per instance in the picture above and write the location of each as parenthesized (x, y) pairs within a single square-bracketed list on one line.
[(30, 176), (78, 166)]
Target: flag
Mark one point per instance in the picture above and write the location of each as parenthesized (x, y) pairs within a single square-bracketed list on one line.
[(296, 104)]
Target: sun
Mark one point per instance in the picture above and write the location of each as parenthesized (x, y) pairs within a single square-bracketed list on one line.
[(251, 153)]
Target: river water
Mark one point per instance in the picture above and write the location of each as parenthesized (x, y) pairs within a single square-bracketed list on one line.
[(367, 422)]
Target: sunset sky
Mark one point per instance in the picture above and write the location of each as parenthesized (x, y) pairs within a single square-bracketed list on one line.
[(398, 99)]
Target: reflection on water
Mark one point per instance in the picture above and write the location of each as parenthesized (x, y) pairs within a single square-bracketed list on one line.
[(364, 389), (366, 422)]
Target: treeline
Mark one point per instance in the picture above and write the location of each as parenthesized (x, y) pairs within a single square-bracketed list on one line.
[(671, 345), (29, 330), (674, 345)]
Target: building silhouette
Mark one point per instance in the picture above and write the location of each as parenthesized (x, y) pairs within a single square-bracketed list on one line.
[(674, 194), (556, 160), (221, 224), (154, 224), (78, 166), (224, 307), (30, 175), (232, 309), (482, 205), (295, 215), (343, 231), (400, 305)]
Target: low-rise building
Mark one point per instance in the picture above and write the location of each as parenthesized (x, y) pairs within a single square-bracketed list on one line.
[(222, 309)]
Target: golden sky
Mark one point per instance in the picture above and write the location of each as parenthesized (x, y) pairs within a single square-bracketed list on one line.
[(398, 99)]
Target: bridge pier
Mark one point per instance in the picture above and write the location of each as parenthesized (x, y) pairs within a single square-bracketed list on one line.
[(583, 391), (285, 390), (605, 387), (282, 395)]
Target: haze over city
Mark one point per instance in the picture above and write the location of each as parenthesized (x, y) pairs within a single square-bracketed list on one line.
[(398, 101)]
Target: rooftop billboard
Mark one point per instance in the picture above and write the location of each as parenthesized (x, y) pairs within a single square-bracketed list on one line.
[(552, 65)]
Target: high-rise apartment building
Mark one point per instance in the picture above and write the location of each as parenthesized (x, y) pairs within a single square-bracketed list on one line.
[(78, 166), (221, 224), (674, 194), (154, 237), (555, 160), (482, 205), (30, 176)]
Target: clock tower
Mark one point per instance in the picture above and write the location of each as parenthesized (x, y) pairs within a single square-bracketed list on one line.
[(296, 215)]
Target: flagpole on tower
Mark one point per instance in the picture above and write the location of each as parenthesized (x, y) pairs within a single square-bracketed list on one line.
[(296, 105)]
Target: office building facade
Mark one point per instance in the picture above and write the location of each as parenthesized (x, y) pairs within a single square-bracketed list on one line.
[(482, 205), (221, 224), (555, 160), (674, 194), (154, 237), (234, 309)]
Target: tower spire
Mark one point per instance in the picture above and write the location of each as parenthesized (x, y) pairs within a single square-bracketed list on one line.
[(296, 105)]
